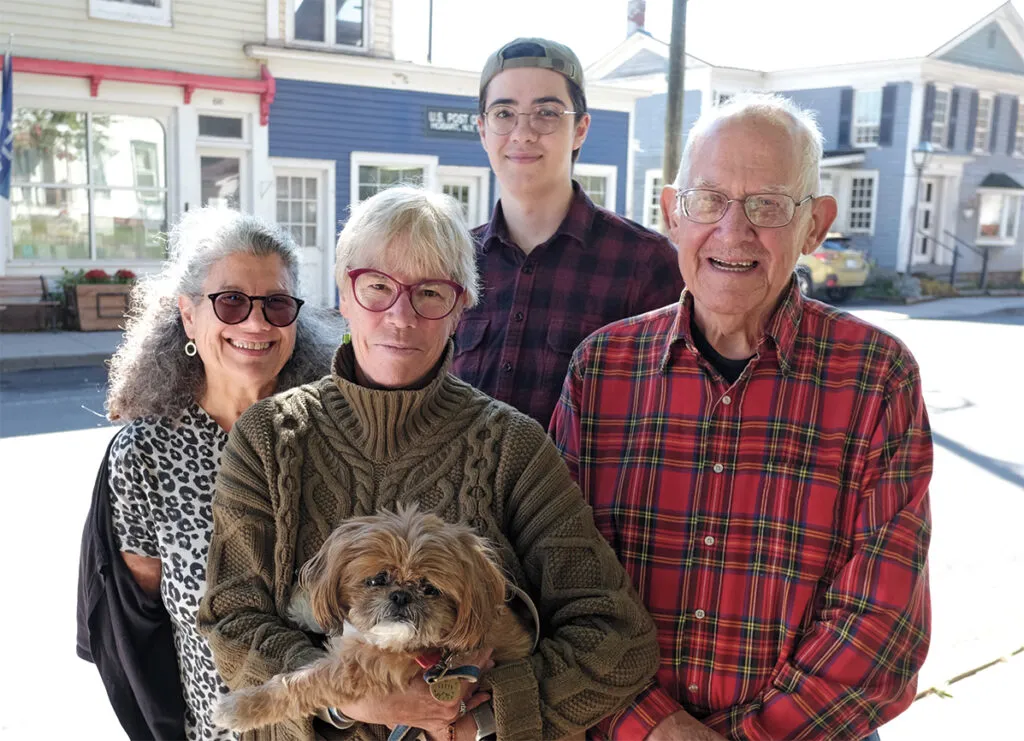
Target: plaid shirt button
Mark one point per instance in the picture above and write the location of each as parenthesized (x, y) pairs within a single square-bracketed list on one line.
[(700, 614), (709, 540), (528, 268), (519, 316), (727, 400), (693, 688), (507, 367), (718, 468)]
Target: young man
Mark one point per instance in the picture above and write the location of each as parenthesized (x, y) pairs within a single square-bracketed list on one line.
[(760, 462), (554, 266)]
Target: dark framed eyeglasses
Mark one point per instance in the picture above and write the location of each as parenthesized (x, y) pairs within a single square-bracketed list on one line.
[(434, 298), (765, 210), (544, 119), (234, 307)]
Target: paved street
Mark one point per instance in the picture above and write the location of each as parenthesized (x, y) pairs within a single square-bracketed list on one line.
[(51, 440)]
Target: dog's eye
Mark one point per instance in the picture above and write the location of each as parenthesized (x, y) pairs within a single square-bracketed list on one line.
[(430, 590), (381, 580)]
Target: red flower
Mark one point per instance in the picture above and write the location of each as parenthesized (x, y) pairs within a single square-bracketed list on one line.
[(96, 276), (124, 275)]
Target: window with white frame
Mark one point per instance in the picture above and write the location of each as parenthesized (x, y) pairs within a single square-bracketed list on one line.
[(983, 123), (867, 117), (719, 97), (87, 186), (373, 172), (1018, 141), (297, 208), (940, 117), (653, 185), (598, 181), (861, 211), (154, 12), (998, 212), (329, 22)]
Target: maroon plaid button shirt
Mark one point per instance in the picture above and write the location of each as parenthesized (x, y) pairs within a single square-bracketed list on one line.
[(535, 309), (777, 529)]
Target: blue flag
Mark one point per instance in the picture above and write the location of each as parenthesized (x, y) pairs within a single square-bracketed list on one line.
[(6, 134)]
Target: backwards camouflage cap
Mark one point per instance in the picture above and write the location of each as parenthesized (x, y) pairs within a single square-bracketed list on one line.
[(533, 53)]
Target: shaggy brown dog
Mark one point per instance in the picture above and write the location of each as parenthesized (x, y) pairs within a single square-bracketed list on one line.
[(388, 589)]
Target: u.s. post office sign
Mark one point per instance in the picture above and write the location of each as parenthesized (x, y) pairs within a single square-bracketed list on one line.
[(451, 122)]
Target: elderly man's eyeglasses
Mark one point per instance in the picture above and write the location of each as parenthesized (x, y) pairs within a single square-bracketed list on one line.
[(377, 291), (234, 307), (544, 119), (766, 210)]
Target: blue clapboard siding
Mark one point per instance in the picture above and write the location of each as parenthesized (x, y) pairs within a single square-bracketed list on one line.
[(649, 130), (825, 102), (989, 48), (327, 121)]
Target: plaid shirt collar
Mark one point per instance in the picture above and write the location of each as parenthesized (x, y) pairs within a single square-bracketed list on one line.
[(781, 330), (575, 225)]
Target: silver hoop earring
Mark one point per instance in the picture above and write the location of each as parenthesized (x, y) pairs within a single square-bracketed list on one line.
[(191, 349)]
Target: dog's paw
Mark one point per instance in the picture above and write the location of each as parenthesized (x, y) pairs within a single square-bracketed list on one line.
[(238, 711)]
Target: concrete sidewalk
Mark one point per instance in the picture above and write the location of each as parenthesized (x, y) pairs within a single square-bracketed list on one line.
[(39, 350)]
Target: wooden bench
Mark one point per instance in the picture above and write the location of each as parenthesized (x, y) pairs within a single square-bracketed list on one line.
[(27, 291)]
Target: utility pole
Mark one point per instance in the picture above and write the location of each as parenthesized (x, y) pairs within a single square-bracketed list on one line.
[(430, 34), (674, 109)]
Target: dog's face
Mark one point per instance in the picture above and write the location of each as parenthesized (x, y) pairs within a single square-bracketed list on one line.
[(407, 581)]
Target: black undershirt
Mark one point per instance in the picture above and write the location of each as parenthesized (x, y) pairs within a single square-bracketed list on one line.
[(729, 368)]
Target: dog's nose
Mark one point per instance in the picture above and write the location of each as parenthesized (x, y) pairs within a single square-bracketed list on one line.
[(400, 598)]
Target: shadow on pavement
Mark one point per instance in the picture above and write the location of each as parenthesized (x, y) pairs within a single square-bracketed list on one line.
[(1008, 472)]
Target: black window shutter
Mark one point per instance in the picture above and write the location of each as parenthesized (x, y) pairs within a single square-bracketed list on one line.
[(888, 120), (993, 124), (972, 120), (845, 117), (1011, 136), (929, 112), (954, 113)]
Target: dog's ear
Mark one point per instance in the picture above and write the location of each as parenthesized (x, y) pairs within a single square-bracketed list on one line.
[(479, 587), (324, 577)]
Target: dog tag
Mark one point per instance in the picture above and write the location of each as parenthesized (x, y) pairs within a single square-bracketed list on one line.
[(446, 689)]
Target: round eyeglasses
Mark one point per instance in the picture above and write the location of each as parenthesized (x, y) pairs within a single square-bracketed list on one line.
[(544, 119), (766, 210), (234, 307), (377, 291)]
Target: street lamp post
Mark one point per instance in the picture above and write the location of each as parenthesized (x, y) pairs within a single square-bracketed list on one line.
[(920, 156)]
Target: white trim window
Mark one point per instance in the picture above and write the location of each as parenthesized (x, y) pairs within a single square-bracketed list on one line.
[(867, 117), (333, 23), (863, 199), (998, 216), (983, 124), (1018, 141), (940, 118), (599, 182), (372, 172), (153, 12), (87, 187), (721, 97), (653, 185)]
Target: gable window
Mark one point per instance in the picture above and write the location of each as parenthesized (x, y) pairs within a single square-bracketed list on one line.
[(984, 123), (1018, 141), (154, 12), (329, 22), (940, 120), (998, 212), (867, 117)]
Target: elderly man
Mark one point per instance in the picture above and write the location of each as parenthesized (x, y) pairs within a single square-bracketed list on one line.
[(759, 461)]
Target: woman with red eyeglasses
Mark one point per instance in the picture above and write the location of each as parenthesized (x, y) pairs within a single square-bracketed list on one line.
[(392, 426), (218, 328)]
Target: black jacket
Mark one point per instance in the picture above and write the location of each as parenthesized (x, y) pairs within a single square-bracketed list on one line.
[(125, 632)]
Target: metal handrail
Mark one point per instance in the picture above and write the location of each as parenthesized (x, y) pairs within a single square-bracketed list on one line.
[(971, 247), (943, 245)]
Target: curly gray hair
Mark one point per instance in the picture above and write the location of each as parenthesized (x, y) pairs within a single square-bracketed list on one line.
[(150, 375)]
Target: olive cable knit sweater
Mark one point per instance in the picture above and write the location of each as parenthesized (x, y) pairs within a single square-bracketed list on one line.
[(300, 463)]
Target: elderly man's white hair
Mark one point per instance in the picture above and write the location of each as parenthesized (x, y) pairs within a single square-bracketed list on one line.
[(769, 109)]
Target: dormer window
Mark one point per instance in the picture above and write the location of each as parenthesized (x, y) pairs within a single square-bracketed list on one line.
[(337, 23)]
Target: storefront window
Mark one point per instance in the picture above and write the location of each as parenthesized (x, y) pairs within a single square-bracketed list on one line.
[(87, 186)]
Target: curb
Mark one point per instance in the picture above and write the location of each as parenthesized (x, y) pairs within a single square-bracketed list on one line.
[(37, 362)]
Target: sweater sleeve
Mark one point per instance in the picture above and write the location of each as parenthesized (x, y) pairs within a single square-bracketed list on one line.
[(598, 645), (249, 641)]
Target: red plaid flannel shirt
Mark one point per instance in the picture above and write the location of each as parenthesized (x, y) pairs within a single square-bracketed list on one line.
[(535, 309), (777, 529)]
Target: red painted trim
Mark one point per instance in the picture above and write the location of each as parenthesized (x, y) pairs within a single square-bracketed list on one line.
[(265, 87)]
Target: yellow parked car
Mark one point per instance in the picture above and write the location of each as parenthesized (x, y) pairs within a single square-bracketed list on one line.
[(833, 270)]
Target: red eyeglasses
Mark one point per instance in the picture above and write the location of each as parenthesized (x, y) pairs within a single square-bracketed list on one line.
[(377, 291)]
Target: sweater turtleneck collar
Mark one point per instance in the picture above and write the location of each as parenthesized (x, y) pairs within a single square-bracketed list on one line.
[(383, 422)]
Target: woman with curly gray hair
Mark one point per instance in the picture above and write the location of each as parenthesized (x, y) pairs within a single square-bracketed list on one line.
[(218, 329)]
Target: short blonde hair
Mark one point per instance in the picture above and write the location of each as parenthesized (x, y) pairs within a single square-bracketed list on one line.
[(430, 225)]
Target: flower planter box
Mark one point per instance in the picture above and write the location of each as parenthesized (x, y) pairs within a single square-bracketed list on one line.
[(101, 306)]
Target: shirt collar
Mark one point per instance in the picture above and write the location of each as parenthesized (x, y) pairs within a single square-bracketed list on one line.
[(781, 330), (575, 225)]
